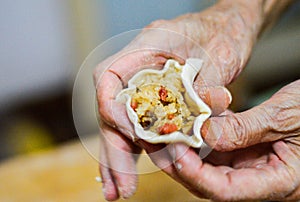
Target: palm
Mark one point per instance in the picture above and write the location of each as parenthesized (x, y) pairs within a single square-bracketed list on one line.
[(262, 171), (256, 172)]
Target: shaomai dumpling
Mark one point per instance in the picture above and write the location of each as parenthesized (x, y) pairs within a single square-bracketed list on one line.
[(163, 106)]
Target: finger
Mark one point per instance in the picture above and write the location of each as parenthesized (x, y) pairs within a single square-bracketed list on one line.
[(210, 88), (291, 159), (108, 107), (121, 157), (236, 131), (294, 196), (222, 63), (129, 63), (272, 120), (111, 82), (159, 155), (111, 111), (187, 164), (227, 184), (109, 187), (218, 98), (293, 162)]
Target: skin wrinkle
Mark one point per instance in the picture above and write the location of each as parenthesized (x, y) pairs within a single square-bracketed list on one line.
[(244, 14), (213, 25), (227, 57), (294, 195), (171, 171), (292, 170), (225, 61), (199, 168), (290, 185), (117, 75), (294, 144), (242, 124), (185, 34), (262, 124), (281, 113), (239, 132), (117, 179), (290, 173), (256, 24), (141, 64), (107, 179)]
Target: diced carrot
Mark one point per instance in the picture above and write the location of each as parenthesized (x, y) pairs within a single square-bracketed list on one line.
[(163, 93), (170, 116), (133, 105), (167, 128)]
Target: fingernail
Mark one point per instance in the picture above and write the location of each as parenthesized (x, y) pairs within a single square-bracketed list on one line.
[(211, 131), (229, 96), (104, 191), (220, 99), (121, 192), (127, 192), (204, 129)]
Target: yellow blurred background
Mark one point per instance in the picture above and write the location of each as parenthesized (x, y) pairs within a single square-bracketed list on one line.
[(44, 43)]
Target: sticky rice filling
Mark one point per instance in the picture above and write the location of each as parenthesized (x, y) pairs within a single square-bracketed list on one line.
[(160, 106)]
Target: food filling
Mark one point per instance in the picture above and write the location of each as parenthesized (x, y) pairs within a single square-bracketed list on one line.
[(163, 106), (162, 110)]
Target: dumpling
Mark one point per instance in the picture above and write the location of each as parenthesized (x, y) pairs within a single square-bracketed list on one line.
[(163, 106)]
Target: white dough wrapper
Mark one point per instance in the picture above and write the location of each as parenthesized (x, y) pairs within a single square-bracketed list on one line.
[(188, 73)]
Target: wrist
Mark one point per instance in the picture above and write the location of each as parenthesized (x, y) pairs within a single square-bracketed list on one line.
[(257, 14)]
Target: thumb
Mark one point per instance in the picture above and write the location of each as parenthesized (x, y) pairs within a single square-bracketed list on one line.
[(218, 98), (239, 130), (275, 119)]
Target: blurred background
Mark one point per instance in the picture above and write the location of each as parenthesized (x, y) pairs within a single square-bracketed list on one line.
[(44, 43)]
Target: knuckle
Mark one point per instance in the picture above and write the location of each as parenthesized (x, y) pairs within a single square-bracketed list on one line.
[(157, 24), (119, 146), (239, 131), (105, 110), (283, 117), (96, 74), (232, 134), (226, 56), (103, 114)]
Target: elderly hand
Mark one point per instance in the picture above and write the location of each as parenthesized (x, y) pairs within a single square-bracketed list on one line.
[(267, 164), (222, 36)]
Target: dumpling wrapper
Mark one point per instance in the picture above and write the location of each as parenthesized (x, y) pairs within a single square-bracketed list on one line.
[(188, 73)]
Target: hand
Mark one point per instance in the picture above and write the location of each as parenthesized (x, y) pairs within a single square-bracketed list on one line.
[(215, 36), (258, 154)]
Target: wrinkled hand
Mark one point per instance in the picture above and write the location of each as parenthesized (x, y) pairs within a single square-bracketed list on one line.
[(267, 165), (214, 36)]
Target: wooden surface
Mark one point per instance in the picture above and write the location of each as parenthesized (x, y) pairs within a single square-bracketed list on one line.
[(67, 173)]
